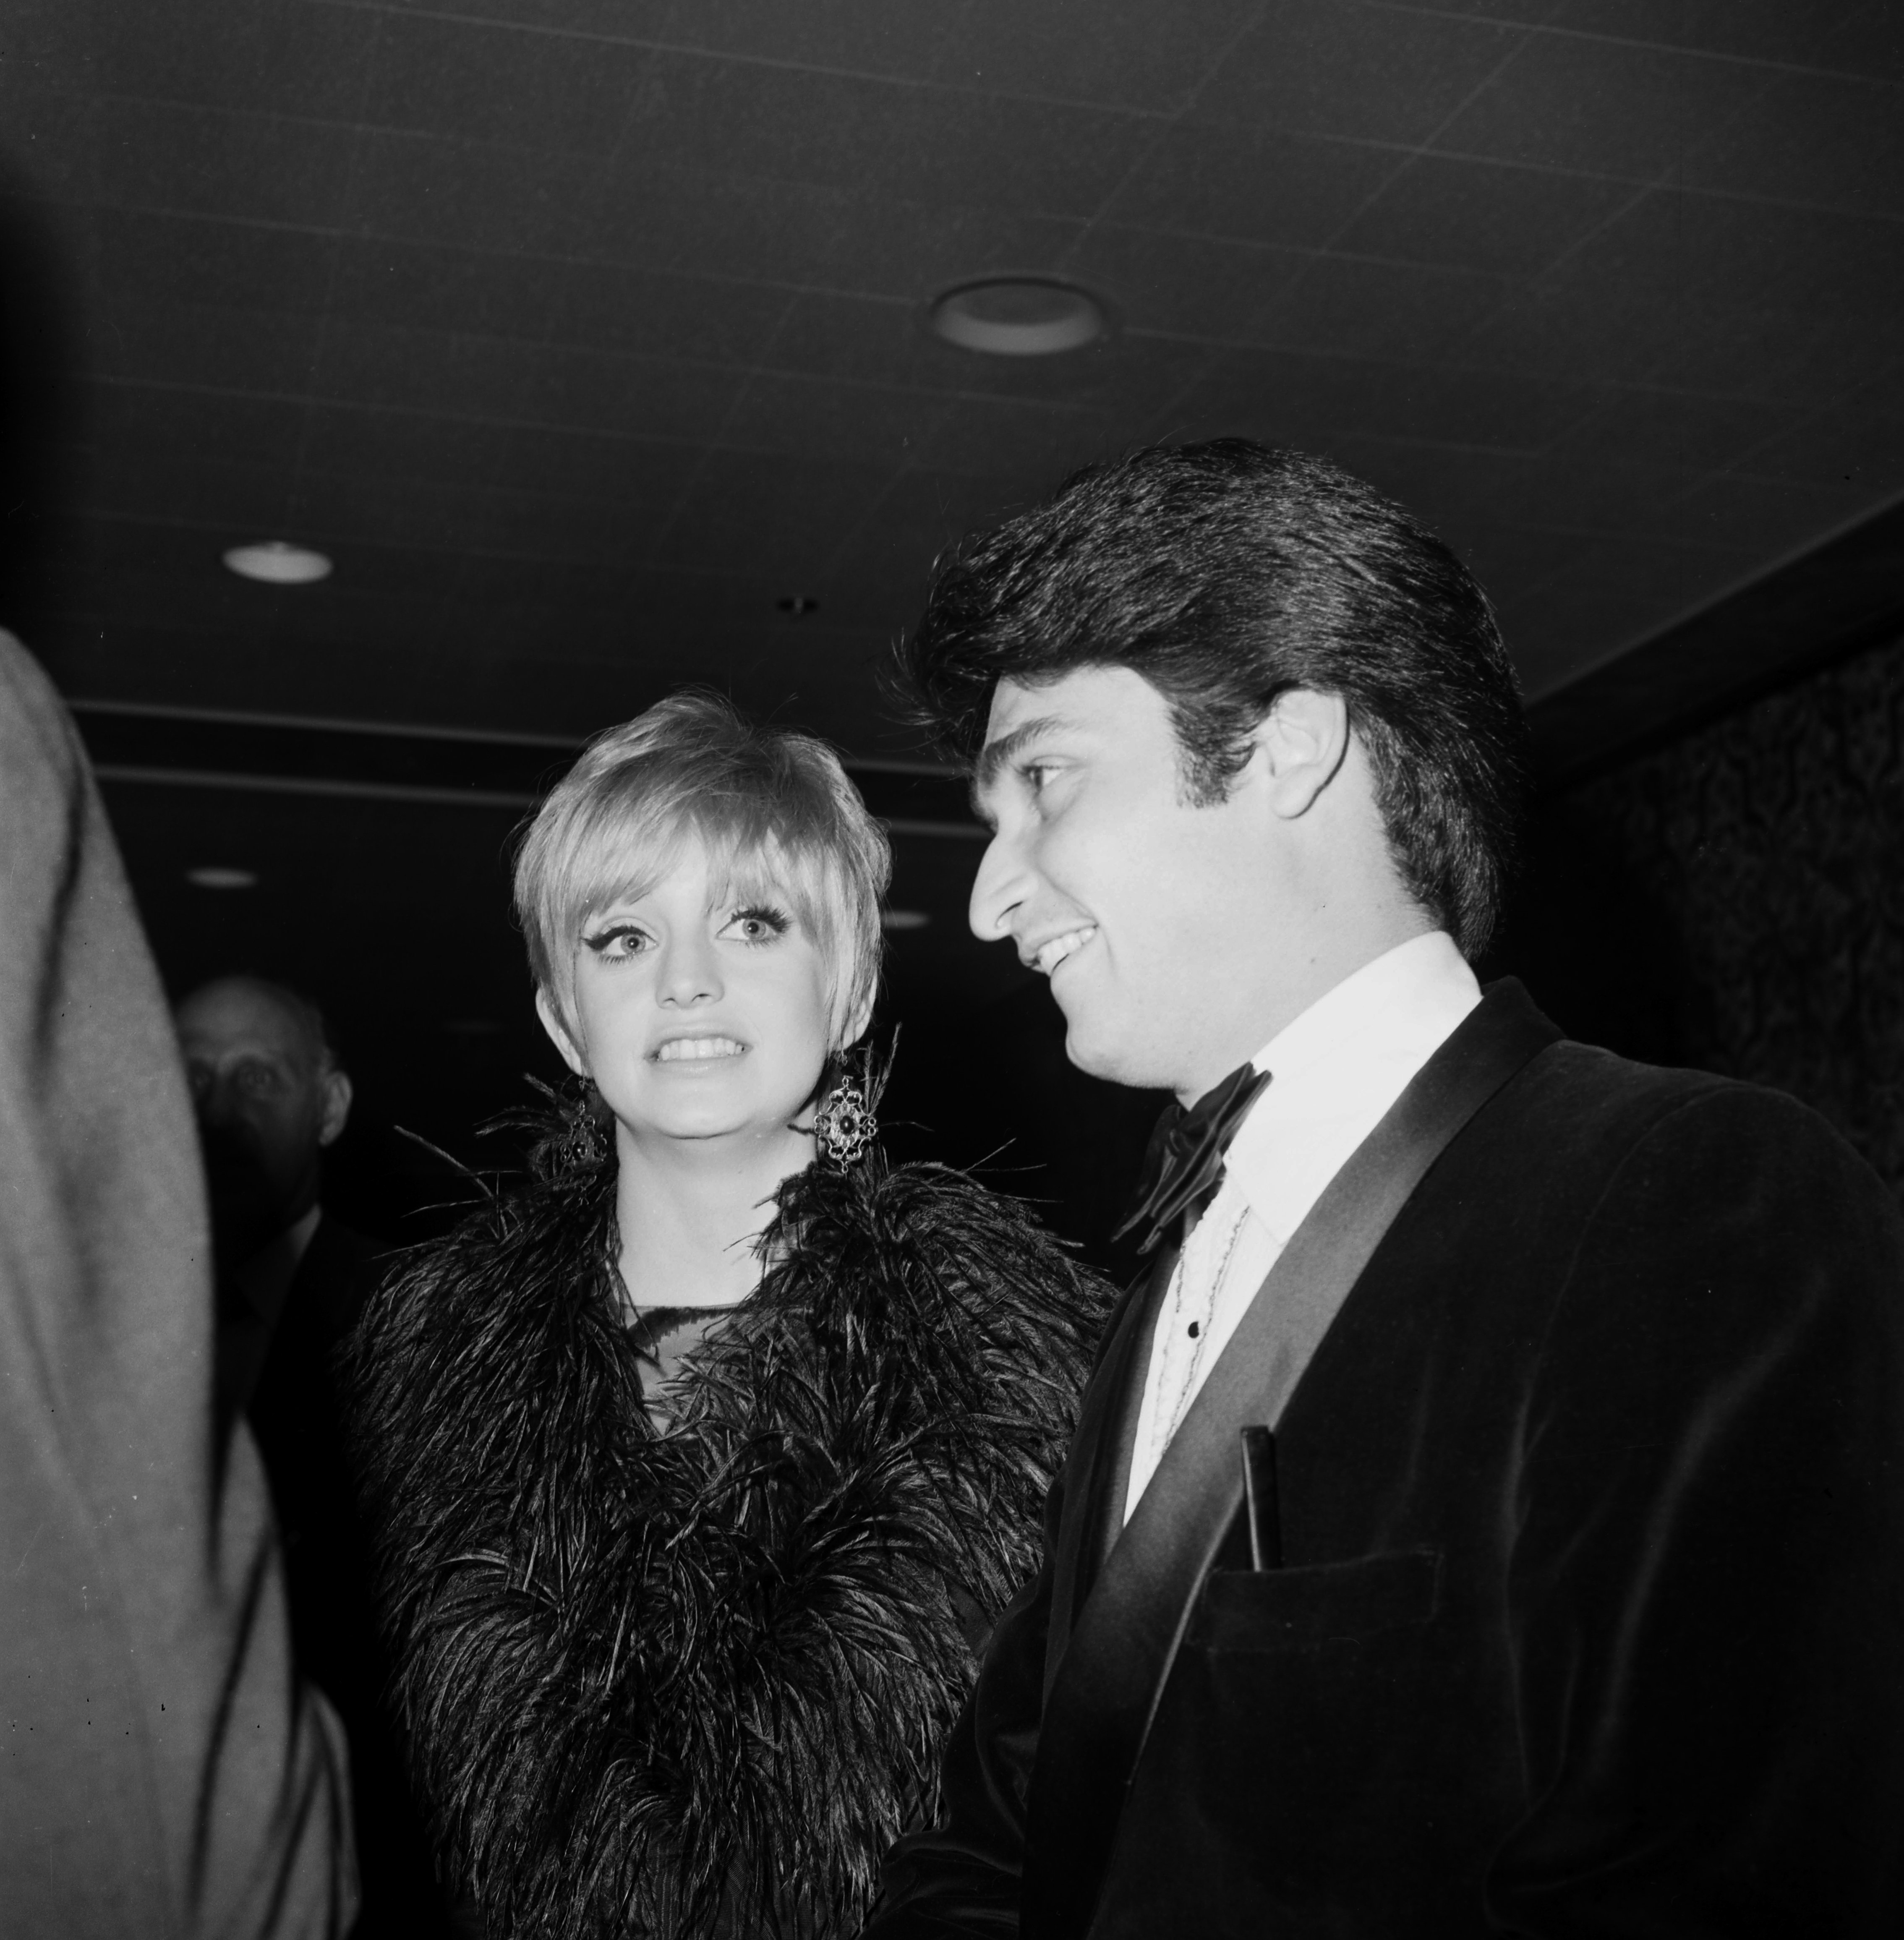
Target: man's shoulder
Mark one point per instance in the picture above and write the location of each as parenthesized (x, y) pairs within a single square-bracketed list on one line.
[(342, 1268)]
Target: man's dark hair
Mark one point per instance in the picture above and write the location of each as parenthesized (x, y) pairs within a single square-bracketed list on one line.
[(1225, 574)]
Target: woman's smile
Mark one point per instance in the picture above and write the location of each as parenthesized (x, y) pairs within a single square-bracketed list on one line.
[(698, 1050)]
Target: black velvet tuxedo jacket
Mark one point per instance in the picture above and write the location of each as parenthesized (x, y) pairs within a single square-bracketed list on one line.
[(1591, 1616)]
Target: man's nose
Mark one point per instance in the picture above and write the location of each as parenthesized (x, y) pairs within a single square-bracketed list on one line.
[(998, 889), (690, 972)]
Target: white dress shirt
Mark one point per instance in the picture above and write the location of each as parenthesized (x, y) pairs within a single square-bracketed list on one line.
[(1334, 1073)]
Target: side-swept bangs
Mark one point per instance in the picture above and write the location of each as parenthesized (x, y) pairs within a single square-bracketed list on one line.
[(774, 809)]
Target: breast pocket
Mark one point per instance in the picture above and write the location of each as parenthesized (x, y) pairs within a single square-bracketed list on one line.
[(1257, 1611)]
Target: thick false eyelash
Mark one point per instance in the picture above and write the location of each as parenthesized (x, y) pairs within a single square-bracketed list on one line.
[(777, 920), (600, 942)]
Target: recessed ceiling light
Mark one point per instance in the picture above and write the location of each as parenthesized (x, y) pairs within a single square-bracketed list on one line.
[(798, 606), (212, 878), (1018, 316), (279, 563), (898, 919)]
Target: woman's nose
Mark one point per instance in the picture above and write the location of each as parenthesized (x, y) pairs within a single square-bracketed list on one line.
[(690, 972), (997, 891)]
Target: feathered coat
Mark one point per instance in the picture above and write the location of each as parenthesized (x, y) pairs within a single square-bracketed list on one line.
[(696, 1683)]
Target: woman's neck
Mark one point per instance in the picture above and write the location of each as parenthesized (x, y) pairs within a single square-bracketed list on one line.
[(690, 1211)]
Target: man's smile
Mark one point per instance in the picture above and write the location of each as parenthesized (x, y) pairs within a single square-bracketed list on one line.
[(1053, 950)]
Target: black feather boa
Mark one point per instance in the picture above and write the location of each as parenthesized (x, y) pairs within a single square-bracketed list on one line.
[(697, 1683)]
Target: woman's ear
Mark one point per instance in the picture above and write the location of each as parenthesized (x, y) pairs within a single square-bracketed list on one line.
[(559, 1035), (856, 1025)]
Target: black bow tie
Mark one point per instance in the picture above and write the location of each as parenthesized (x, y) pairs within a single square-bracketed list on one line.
[(1185, 1158)]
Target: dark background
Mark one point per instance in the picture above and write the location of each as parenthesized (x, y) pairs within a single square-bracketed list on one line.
[(589, 338)]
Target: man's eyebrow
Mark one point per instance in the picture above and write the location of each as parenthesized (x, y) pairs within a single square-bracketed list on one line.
[(995, 756)]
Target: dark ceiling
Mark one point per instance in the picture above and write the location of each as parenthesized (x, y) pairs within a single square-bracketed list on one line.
[(584, 333)]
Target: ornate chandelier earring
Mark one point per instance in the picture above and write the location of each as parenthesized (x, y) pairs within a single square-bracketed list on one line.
[(844, 1126)]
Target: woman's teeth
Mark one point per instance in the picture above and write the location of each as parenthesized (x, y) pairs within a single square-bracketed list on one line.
[(1052, 954), (677, 1048)]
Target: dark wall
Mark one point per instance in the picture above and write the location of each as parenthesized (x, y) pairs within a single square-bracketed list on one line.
[(1734, 900)]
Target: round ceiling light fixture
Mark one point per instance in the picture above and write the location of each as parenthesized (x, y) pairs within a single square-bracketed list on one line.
[(215, 877), (279, 563), (903, 918), (1019, 316)]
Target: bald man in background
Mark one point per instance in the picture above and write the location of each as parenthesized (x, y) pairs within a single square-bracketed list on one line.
[(165, 1771), (271, 1099)]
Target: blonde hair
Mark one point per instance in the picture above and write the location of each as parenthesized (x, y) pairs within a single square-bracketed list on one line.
[(773, 806)]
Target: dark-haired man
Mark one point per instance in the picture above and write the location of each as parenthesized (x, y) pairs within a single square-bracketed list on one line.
[(1488, 1516)]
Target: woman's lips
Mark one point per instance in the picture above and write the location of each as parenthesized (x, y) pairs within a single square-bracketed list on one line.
[(698, 1050)]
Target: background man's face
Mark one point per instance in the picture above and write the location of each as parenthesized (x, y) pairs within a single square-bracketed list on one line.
[(266, 1101), (1146, 913)]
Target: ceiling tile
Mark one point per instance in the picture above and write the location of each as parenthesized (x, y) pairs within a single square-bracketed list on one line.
[(1858, 444), (630, 20), (1356, 307), (1674, 429), (197, 344), (1459, 492), (471, 194), (1770, 518), (917, 143), (149, 422), (1603, 107), (1040, 442), (268, 56), (427, 286), (1612, 597), (204, 161), (1870, 43), (404, 446), (437, 370), (1481, 215), (610, 306), (1369, 73), (901, 38), (145, 258), (799, 233), (867, 424), (192, 488), (882, 342), (1191, 286), (52, 148), (1821, 138), (785, 514), (634, 474), (1766, 30), (630, 397), (1256, 185), (1719, 252), (1284, 397), (1511, 561), (1126, 57), (475, 82)]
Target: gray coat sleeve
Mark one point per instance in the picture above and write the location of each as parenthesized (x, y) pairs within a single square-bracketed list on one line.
[(163, 1772)]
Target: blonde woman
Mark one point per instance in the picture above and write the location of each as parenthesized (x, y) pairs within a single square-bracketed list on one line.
[(703, 1463)]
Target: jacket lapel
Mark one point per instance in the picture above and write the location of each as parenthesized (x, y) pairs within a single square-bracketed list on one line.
[(1099, 1457), (1108, 1682)]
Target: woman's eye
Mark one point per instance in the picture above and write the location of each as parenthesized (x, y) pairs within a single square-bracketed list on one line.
[(757, 925), (622, 941)]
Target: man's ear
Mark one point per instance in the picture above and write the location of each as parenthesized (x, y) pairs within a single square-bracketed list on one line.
[(559, 1035), (338, 1093), (1304, 739)]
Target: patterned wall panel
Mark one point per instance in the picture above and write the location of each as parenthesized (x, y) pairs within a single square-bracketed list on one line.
[(1759, 865)]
